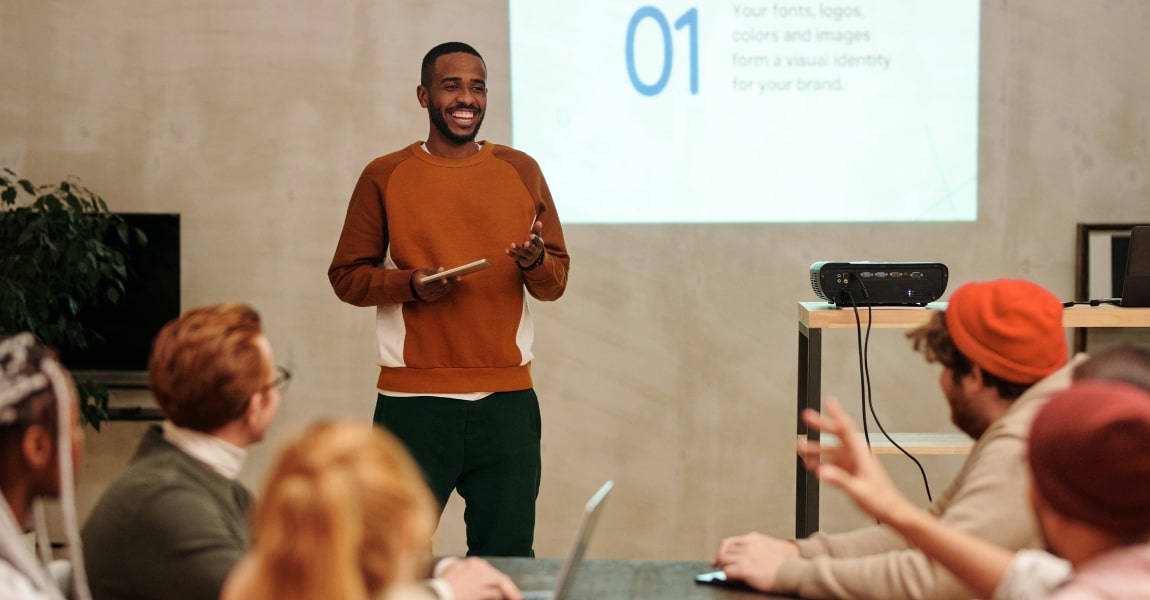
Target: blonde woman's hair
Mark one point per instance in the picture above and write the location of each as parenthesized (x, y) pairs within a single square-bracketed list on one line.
[(345, 514)]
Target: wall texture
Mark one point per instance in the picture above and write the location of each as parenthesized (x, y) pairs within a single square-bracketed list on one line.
[(670, 364)]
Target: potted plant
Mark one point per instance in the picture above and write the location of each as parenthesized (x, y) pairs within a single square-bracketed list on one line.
[(61, 251)]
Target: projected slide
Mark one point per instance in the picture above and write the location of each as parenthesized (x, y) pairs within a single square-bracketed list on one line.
[(720, 112)]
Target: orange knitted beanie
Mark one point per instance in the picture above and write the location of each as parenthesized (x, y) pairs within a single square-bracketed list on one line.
[(1009, 328)]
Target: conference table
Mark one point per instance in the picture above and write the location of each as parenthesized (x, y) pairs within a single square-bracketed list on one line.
[(619, 579)]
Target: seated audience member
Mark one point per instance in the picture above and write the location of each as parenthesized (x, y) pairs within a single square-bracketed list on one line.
[(175, 522), (1003, 352), (1125, 362), (1089, 461), (345, 514), (40, 444), (990, 571)]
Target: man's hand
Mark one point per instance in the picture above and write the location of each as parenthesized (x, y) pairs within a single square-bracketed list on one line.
[(851, 467), (754, 558), (475, 579), (527, 253), (430, 292)]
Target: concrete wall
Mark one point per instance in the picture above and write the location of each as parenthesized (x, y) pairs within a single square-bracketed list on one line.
[(670, 364)]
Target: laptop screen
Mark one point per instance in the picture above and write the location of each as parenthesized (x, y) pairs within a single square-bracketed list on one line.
[(1136, 283), (578, 547)]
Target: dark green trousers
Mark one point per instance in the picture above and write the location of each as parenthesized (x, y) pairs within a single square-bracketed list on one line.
[(486, 449)]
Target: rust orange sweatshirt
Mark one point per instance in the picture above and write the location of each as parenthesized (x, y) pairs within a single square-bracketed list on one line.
[(411, 210)]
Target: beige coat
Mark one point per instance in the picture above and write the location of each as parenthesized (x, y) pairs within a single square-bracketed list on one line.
[(987, 498)]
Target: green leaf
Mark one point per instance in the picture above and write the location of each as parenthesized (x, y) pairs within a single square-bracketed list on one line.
[(52, 203), (93, 402), (60, 265), (74, 202)]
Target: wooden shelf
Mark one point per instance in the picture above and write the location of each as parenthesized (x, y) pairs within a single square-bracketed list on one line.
[(816, 316), (915, 443), (820, 315)]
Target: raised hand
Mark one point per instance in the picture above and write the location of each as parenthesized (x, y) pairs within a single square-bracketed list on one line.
[(851, 466), (529, 252)]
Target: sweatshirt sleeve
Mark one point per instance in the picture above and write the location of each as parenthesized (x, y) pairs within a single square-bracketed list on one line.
[(988, 499), (357, 273), (547, 281)]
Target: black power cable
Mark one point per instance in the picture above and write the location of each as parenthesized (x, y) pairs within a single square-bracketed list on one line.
[(865, 385)]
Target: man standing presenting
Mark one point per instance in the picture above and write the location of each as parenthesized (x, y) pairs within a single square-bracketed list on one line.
[(1003, 351), (455, 354)]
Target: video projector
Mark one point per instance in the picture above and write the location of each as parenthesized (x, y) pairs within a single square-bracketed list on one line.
[(865, 283)]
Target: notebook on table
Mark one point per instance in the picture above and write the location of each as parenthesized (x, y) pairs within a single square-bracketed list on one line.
[(578, 548)]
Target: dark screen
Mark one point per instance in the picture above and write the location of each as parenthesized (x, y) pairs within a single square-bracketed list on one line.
[(151, 299), (1119, 249)]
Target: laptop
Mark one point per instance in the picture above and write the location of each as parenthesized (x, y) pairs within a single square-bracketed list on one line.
[(1136, 283), (575, 557)]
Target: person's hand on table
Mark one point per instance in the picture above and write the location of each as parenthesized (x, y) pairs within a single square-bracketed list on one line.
[(475, 579), (754, 559)]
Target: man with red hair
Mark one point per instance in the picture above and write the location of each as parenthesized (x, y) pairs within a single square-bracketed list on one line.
[(175, 522)]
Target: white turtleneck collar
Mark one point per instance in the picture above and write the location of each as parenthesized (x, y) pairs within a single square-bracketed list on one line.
[(220, 456)]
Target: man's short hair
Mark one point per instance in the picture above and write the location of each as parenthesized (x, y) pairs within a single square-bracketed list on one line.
[(934, 342), (206, 364), (1127, 363), (428, 68)]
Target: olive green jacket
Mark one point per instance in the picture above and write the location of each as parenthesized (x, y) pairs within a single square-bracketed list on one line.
[(168, 528)]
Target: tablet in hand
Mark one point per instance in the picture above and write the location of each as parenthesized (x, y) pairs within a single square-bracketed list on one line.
[(459, 271)]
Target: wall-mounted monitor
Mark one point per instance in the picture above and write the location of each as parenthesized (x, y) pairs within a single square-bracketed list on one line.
[(151, 299)]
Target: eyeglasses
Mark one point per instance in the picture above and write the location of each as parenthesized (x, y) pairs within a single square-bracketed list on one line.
[(283, 377)]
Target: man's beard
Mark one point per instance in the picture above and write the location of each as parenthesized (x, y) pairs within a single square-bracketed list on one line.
[(440, 123), (965, 418)]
